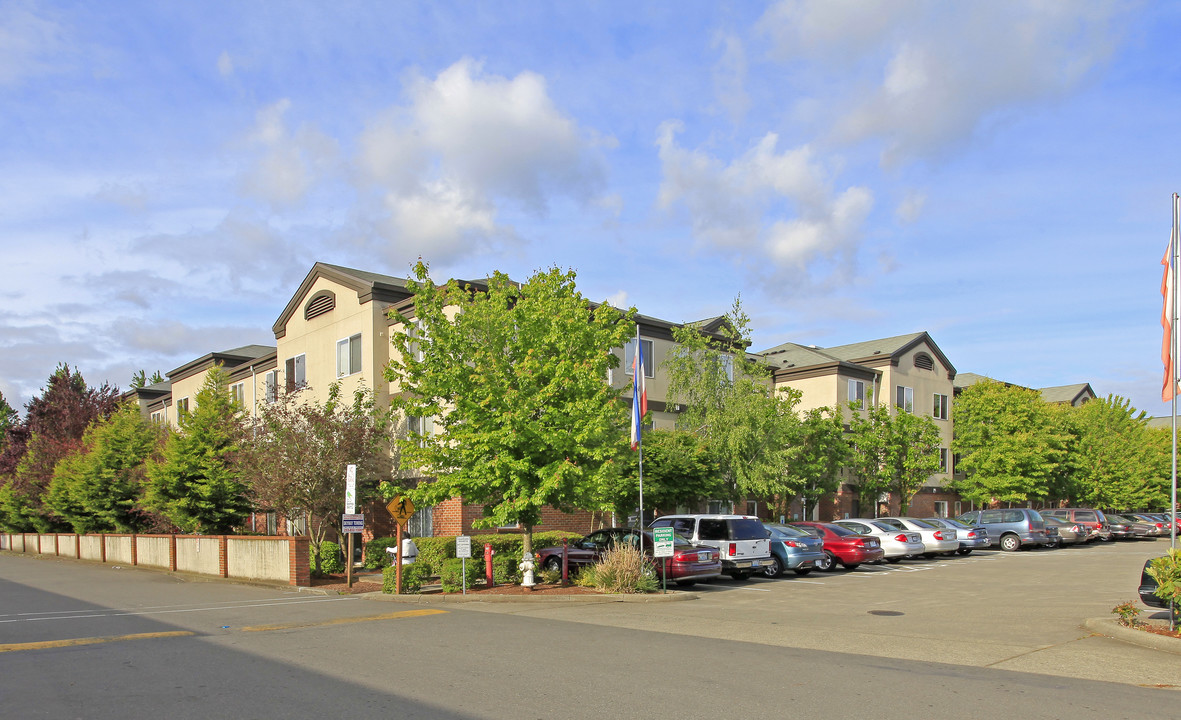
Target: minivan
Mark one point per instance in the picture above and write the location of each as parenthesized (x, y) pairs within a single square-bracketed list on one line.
[(1093, 519), (1009, 528), (741, 539)]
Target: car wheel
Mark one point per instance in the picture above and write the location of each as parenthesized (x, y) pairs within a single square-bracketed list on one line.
[(929, 555), (828, 563), (893, 559), (554, 563), (774, 568), (1009, 543), (852, 566), (803, 571), (745, 575), (964, 551)]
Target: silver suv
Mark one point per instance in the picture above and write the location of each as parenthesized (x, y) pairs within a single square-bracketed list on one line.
[(741, 540)]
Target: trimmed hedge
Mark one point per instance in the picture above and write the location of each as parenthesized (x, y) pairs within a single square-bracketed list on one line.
[(414, 576), (331, 560)]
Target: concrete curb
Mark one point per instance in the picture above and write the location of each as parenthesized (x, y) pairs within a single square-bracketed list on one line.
[(1112, 629), (439, 599)]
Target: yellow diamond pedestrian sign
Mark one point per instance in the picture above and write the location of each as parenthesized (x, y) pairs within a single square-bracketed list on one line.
[(401, 508)]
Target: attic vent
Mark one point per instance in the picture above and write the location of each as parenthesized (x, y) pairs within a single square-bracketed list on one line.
[(923, 361), (322, 302)]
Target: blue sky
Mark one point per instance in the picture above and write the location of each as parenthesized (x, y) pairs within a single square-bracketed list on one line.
[(998, 174)]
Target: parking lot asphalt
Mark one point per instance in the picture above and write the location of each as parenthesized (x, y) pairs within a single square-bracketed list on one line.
[(1023, 611)]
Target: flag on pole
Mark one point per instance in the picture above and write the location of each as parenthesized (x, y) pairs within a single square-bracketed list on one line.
[(1168, 388), (639, 392)]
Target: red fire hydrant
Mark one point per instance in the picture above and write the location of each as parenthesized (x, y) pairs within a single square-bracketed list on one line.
[(488, 553)]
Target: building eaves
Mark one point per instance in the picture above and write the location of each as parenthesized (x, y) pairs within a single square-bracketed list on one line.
[(229, 359), (369, 286), (1066, 393)]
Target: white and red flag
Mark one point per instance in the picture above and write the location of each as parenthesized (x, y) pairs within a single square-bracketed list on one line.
[(639, 392), (1169, 387)]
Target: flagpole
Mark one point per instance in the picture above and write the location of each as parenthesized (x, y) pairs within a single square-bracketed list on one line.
[(640, 421), (1176, 260)]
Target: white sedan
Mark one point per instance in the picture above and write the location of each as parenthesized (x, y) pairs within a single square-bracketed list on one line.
[(936, 540), (897, 543)]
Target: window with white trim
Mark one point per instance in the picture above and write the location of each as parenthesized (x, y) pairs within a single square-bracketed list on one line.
[(272, 382), (857, 393), (941, 508), (348, 356), (629, 356), (728, 366), (238, 394), (939, 406), (296, 372), (944, 457), (421, 427), (904, 398), (158, 417), (182, 406)]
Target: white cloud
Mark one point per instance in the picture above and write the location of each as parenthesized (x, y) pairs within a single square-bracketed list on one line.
[(30, 43), (926, 76), (225, 64), (617, 300), (911, 207), (289, 163), (730, 77), (773, 210)]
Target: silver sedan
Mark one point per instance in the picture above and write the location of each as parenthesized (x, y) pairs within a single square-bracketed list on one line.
[(936, 540), (896, 543), (971, 538)]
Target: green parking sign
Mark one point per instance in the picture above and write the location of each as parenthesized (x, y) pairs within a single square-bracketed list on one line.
[(662, 542)]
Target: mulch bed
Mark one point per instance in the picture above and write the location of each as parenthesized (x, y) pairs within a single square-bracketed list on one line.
[(1160, 627)]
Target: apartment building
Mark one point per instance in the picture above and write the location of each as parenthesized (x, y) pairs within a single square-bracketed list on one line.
[(904, 371)]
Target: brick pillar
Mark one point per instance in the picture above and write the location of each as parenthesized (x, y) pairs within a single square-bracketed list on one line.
[(299, 561), (223, 565), (172, 552), (134, 550), (102, 547)]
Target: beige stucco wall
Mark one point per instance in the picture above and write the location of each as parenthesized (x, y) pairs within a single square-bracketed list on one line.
[(90, 547), (197, 555), (925, 384), (118, 548), (260, 559), (152, 551), (317, 339)]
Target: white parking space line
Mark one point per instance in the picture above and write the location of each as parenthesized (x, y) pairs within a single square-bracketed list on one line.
[(294, 600), (84, 614)]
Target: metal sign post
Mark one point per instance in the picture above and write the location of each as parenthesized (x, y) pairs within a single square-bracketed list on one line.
[(463, 551), (402, 509), (662, 547), (351, 523)]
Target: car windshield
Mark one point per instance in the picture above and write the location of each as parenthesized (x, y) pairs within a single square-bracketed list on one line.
[(920, 523), (842, 531), (747, 529), (954, 523), (778, 530), (886, 528)]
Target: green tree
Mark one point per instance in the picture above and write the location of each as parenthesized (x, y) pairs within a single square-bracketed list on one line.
[(1009, 441), (512, 376), (99, 488), (295, 454), (679, 470), (1117, 460), (869, 447), (823, 450), (912, 454), (8, 418), (195, 485), (730, 403), (140, 379)]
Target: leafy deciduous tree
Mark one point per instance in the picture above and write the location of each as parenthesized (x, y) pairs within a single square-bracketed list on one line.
[(823, 450), (679, 469), (912, 454), (514, 379)]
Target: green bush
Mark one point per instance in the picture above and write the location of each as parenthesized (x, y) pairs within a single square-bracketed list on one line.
[(414, 576), (435, 550), (1166, 571), (506, 568), (331, 559), (622, 569), (451, 575)]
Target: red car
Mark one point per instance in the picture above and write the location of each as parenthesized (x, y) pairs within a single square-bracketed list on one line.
[(688, 564), (842, 545)]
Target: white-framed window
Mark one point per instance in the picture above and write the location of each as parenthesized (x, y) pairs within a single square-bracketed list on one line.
[(857, 393), (296, 372), (298, 525), (348, 355), (158, 417), (417, 333), (939, 406), (238, 394), (728, 366), (941, 508), (752, 507), (944, 458), (629, 357), (272, 523), (272, 381), (421, 426), (182, 406), (904, 398)]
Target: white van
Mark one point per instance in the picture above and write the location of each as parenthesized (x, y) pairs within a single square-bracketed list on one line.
[(742, 540)]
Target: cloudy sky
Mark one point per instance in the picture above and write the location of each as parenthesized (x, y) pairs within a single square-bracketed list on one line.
[(996, 173)]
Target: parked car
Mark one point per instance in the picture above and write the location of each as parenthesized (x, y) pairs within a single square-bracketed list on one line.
[(1126, 527), (936, 540), (970, 538), (842, 545), (1009, 528), (896, 544), (1068, 533), (1090, 517), (688, 564), (1159, 528), (792, 549), (1148, 586), (741, 540)]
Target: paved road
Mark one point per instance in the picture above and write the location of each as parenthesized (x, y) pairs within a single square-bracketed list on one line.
[(995, 630)]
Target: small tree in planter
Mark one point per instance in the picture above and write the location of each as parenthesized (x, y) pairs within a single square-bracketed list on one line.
[(1167, 573)]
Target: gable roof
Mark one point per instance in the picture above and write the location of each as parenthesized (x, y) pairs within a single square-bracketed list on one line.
[(870, 352), (227, 358), (1068, 394), (368, 286)]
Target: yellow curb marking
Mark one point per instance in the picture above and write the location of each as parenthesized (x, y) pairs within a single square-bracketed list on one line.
[(345, 621), (73, 642)]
